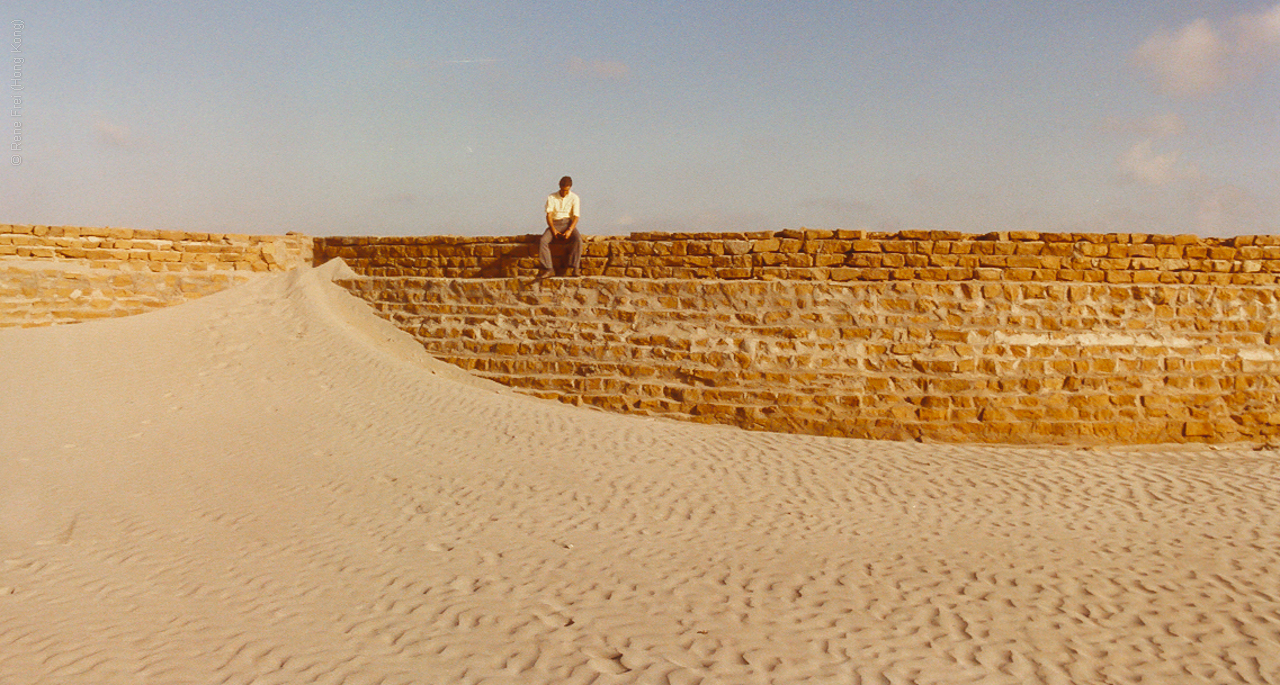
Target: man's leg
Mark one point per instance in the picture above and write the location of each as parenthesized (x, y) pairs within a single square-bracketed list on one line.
[(544, 250), (575, 253)]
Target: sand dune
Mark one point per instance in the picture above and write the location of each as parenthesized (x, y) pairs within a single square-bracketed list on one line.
[(270, 485)]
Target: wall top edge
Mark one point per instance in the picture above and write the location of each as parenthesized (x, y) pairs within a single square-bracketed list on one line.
[(906, 236), (40, 230), (120, 233)]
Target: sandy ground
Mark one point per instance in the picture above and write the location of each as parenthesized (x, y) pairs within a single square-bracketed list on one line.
[(270, 485)]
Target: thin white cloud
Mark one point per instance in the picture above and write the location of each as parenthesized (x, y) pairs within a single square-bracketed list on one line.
[(1259, 34), (598, 68), (1142, 164), (1187, 63), (1201, 58), (112, 134), (1160, 126)]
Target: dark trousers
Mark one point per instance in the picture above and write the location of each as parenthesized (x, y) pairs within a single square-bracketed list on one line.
[(573, 260)]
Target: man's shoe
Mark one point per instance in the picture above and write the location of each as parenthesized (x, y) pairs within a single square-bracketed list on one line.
[(545, 273)]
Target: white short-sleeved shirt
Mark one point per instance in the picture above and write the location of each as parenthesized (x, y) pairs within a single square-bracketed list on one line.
[(562, 208)]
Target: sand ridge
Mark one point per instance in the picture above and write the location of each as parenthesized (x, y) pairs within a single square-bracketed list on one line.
[(271, 485)]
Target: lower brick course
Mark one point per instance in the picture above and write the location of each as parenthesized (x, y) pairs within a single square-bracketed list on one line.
[(1021, 363)]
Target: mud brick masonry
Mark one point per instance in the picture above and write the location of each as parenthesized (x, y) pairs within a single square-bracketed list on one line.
[(1002, 337)]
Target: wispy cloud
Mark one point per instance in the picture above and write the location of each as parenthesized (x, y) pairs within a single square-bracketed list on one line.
[(1142, 164), (1259, 34), (598, 68), (1202, 58), (1150, 161), (1160, 126), (112, 134), (412, 65), (1189, 62)]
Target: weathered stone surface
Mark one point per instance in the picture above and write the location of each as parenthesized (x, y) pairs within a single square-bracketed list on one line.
[(1004, 337), (1080, 368), (129, 271)]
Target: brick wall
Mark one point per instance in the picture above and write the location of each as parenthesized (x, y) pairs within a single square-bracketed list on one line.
[(839, 256), (1021, 338), (1003, 337), (65, 274)]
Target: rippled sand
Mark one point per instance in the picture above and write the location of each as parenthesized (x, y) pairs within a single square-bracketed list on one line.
[(270, 485)]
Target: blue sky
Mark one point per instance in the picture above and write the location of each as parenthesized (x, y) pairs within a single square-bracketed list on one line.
[(408, 118)]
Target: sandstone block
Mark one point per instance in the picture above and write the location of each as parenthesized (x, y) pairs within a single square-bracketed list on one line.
[(766, 245), (1198, 429)]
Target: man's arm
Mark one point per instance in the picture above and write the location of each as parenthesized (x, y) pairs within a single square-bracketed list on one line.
[(573, 217)]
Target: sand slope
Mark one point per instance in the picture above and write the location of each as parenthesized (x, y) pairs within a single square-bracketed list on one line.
[(270, 485)]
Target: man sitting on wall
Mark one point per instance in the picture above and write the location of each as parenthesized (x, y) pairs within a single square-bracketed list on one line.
[(562, 224)]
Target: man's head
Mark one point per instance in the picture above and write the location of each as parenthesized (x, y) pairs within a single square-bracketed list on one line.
[(565, 184)]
